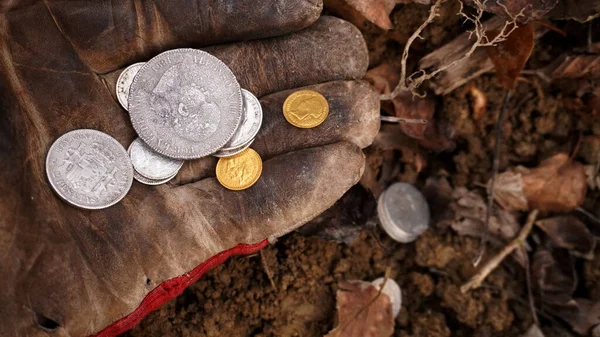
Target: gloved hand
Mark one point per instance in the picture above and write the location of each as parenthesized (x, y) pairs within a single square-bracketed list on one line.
[(71, 272)]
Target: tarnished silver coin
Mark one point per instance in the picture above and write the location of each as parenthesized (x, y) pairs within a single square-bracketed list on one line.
[(124, 83), (234, 151), (251, 121), (403, 212), (147, 181), (185, 103), (89, 169), (151, 164)]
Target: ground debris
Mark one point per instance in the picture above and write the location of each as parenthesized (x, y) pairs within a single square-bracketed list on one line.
[(554, 277), (363, 311), (569, 232), (557, 184)]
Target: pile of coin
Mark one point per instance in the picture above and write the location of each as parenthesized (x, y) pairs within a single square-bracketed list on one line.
[(184, 104)]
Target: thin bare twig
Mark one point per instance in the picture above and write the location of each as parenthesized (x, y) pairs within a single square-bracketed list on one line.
[(529, 288), (263, 261), (487, 268), (495, 169)]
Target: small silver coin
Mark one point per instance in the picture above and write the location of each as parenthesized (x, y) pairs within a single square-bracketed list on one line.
[(251, 121), (403, 212), (150, 164), (152, 182), (234, 151), (124, 83), (89, 169), (185, 103), (392, 289)]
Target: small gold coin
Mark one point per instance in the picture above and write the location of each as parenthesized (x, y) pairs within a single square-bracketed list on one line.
[(305, 109), (240, 171)]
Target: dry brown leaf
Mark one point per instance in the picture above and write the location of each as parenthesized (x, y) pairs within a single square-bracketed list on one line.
[(568, 232), (362, 311), (410, 107), (469, 216), (508, 191), (433, 135), (582, 314), (592, 176), (553, 275), (357, 11), (557, 184), (510, 56), (478, 102), (384, 77), (438, 136)]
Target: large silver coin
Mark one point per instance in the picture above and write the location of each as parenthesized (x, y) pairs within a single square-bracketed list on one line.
[(251, 121), (151, 164), (89, 169), (146, 181), (185, 103), (124, 83)]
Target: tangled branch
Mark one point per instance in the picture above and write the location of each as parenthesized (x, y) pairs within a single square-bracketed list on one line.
[(479, 33)]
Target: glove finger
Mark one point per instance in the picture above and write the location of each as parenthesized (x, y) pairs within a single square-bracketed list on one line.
[(294, 60), (110, 34), (353, 116), (293, 189), (95, 267)]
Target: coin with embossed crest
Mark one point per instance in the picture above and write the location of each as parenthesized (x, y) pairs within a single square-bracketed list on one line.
[(185, 103), (305, 109), (151, 164), (89, 169), (241, 171), (124, 83), (251, 122)]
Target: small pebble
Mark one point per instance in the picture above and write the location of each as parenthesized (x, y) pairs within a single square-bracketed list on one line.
[(392, 289), (403, 212)]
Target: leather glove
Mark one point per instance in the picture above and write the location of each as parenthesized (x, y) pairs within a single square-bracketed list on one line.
[(71, 272)]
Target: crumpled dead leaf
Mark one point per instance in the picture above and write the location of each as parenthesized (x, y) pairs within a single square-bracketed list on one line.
[(593, 178), (568, 232), (362, 311), (469, 216), (434, 135), (582, 314), (557, 184), (410, 107), (384, 78), (553, 275), (357, 11), (510, 56)]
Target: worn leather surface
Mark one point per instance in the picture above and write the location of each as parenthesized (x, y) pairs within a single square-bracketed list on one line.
[(85, 270)]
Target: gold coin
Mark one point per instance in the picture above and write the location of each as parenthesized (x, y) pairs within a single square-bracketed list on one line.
[(305, 109), (240, 171)]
